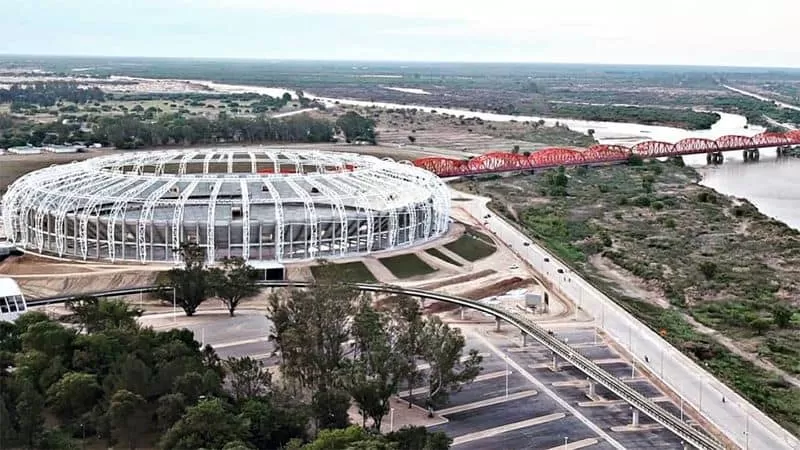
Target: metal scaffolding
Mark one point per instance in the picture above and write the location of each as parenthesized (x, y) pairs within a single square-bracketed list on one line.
[(258, 204)]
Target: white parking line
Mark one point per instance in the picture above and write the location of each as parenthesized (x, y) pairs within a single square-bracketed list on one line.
[(236, 343), (546, 390)]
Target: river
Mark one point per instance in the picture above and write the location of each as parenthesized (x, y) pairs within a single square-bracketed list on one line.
[(769, 184)]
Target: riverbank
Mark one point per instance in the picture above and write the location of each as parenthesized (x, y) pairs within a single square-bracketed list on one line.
[(711, 273)]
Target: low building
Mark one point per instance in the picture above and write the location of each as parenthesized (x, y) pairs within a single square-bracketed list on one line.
[(12, 302), (26, 150)]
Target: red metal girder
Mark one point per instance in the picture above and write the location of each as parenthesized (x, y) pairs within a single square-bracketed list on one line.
[(695, 145), (555, 156), (733, 141), (653, 149), (442, 166), (496, 162), (793, 136), (770, 139), (600, 153)]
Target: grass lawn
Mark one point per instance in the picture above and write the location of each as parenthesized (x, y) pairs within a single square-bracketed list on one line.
[(406, 266), (472, 246), (353, 271), (435, 252)]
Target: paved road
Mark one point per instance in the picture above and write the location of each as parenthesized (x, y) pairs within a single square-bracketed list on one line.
[(739, 420)]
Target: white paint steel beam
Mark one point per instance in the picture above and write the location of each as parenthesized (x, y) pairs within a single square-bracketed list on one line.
[(146, 216), (245, 195), (211, 222), (177, 219)]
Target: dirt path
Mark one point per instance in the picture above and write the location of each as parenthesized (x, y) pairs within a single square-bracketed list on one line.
[(625, 283)]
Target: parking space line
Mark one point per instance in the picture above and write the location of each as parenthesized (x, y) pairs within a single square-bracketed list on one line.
[(484, 377), (487, 402), (577, 444), (506, 428)]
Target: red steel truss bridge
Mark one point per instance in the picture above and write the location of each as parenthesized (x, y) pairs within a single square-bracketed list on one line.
[(497, 162)]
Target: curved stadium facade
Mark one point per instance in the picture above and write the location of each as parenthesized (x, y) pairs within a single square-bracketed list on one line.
[(257, 203)]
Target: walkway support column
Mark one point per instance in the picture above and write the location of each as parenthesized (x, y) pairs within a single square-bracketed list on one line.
[(555, 363), (635, 417), (497, 322), (591, 394), (524, 339)]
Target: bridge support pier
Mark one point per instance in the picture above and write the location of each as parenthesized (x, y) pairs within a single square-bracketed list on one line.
[(752, 154), (554, 367), (714, 158), (635, 417), (497, 322), (524, 340), (591, 394)]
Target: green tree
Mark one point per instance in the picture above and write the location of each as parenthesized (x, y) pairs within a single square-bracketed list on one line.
[(409, 324), (378, 366), (171, 407), (356, 128), (234, 281), (442, 349), (74, 394), (209, 424), (419, 438), (128, 416), (30, 414), (96, 315), (782, 316), (352, 437), (248, 378), (190, 285)]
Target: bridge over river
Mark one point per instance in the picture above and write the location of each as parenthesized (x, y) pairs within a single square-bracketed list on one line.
[(498, 162)]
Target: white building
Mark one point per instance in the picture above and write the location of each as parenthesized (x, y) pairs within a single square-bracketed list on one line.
[(12, 302)]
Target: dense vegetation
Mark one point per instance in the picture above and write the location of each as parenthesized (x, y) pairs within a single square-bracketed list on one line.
[(48, 94), (698, 257), (130, 131), (681, 118), (755, 110), (107, 379)]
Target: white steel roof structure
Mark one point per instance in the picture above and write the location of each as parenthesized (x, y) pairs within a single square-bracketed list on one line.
[(258, 203)]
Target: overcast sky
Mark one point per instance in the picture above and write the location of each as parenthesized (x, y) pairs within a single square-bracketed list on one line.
[(703, 32)]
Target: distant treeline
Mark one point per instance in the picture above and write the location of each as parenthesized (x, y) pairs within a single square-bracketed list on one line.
[(49, 94), (130, 131), (681, 118), (755, 110)]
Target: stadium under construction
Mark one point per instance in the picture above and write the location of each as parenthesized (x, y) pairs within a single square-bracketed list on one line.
[(262, 204)]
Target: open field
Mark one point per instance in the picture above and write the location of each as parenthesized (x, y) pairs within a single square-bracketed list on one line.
[(472, 246), (711, 272), (353, 271), (406, 266), (438, 254)]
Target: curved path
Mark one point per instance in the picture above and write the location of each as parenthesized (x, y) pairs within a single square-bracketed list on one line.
[(691, 435)]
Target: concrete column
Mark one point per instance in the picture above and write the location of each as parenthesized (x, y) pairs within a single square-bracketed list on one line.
[(498, 322), (635, 418), (591, 393), (461, 311), (524, 339), (555, 363)]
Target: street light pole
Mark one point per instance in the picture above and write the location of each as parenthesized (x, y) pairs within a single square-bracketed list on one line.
[(506, 376)]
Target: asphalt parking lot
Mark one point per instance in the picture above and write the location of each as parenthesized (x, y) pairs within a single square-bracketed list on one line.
[(541, 409)]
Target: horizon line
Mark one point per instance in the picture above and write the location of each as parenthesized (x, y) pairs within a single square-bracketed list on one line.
[(422, 61)]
